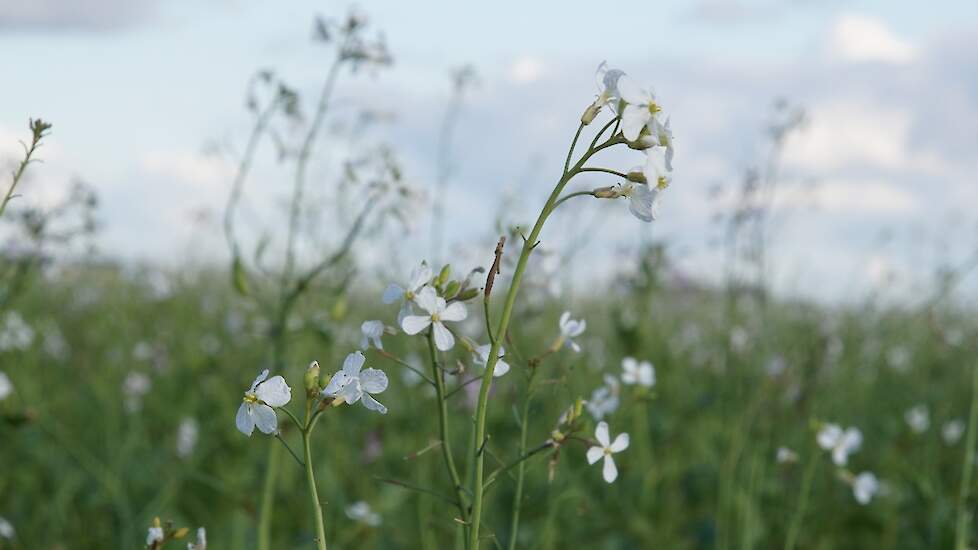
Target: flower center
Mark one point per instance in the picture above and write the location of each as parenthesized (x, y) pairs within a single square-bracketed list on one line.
[(250, 398), (607, 451), (409, 295), (435, 317), (663, 183), (654, 107)]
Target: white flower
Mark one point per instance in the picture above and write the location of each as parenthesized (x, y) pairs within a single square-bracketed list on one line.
[(438, 311), (354, 384), (663, 136), (840, 442), (656, 173), (372, 331), (635, 372), (155, 534), (640, 111), (952, 431), (607, 80), (6, 529), (569, 329), (606, 449), (918, 418), (394, 292), (604, 399), (134, 387), (15, 333), (360, 511), (6, 386), (201, 543), (786, 455), (187, 433), (864, 487), (642, 201), (482, 357), (256, 408)]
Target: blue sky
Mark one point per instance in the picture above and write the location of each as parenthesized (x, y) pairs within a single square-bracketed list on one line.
[(137, 88)]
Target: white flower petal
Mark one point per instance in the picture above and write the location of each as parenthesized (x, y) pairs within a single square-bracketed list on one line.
[(243, 420), (443, 337), (274, 391), (502, 367), (631, 92), (353, 363), (420, 276), (352, 392), (619, 444), (601, 434), (261, 378), (265, 418), (427, 300), (373, 404), (594, 454), (413, 324), (336, 383), (610, 471), (373, 380), (633, 119), (392, 293), (454, 312), (829, 436)]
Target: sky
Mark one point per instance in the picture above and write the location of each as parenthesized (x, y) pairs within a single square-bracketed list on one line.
[(878, 186)]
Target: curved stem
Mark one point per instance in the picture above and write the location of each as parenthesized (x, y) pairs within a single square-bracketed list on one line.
[(291, 452), (244, 166), (514, 528), (446, 448), (572, 195), (39, 128), (604, 170), (529, 244)]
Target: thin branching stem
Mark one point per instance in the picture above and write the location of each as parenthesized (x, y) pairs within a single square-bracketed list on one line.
[(443, 433), (965, 512)]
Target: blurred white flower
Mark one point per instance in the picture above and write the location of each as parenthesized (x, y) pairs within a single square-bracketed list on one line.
[(864, 487), (841, 443), (607, 80), (641, 199), (898, 359), (142, 351), (570, 329), (372, 331), (6, 386), (154, 535), (54, 343), (257, 407), (134, 387), (952, 431), (353, 384), (361, 511), (918, 418), (187, 433), (15, 333), (604, 399), (394, 292), (739, 338), (635, 372), (785, 455), (775, 366), (437, 312), (201, 543), (482, 357), (606, 449), (641, 109), (6, 529)]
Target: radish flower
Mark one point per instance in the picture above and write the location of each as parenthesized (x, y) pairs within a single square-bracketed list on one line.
[(257, 407), (641, 108), (353, 384), (6, 386), (607, 80), (605, 449), (201, 543), (635, 372), (841, 443), (604, 399), (394, 292), (864, 487), (372, 331), (482, 357), (570, 329), (437, 312)]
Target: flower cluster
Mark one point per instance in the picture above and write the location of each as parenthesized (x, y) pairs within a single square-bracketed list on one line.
[(841, 443)]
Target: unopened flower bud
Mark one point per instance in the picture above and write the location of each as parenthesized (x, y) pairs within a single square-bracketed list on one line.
[(590, 113), (180, 533), (311, 379), (637, 176), (605, 193), (467, 294), (452, 289), (443, 276)]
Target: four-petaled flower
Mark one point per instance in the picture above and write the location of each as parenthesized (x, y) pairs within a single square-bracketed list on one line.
[(571, 328), (604, 399), (438, 311), (864, 487), (394, 292), (201, 543), (154, 535), (642, 201), (353, 384), (607, 84), (606, 449), (361, 511), (635, 372), (372, 331), (840, 442), (482, 357), (257, 407), (640, 111)]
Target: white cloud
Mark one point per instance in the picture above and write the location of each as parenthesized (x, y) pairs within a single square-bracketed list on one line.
[(186, 167), (525, 69), (861, 38), (850, 197)]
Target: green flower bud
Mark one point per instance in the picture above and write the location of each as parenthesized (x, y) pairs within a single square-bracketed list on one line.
[(311, 379), (467, 294), (443, 276), (452, 289)]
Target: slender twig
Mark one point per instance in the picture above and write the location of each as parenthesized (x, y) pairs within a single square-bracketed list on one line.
[(443, 432), (604, 170), (521, 469), (462, 386), (424, 490), (291, 452), (561, 200), (39, 129), (806, 489)]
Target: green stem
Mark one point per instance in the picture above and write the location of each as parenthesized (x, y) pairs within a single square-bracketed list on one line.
[(605, 171), (521, 468), (313, 493), (268, 498), (806, 490), (561, 200), (19, 173), (528, 245), (961, 531), (443, 433)]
